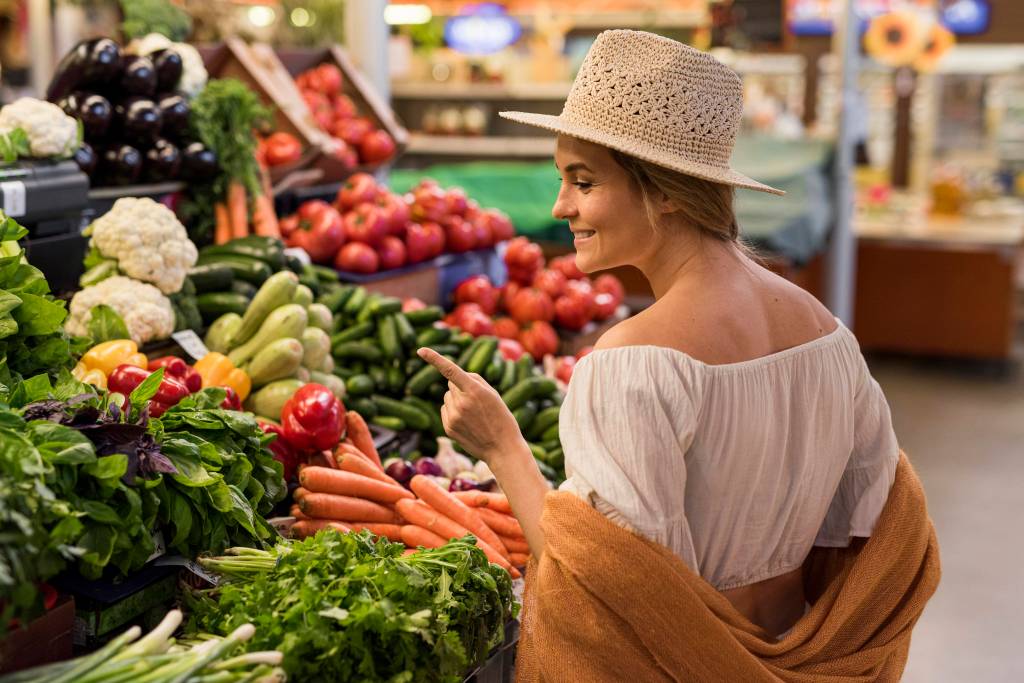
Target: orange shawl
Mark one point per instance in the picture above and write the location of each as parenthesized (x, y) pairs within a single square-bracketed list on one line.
[(604, 604)]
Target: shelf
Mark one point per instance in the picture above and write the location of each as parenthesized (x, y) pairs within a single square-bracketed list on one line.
[(479, 91), (136, 190), (482, 146)]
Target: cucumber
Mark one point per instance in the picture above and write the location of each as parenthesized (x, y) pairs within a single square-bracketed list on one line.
[(495, 369), (483, 355), (324, 274), (538, 452), (556, 458), (366, 312), (277, 360), (432, 410), (389, 422), (211, 278), (293, 263), (277, 291), (242, 267), (388, 335), (335, 384), (463, 339), (425, 316), (379, 376), (268, 401), (524, 367), (386, 305), (287, 321), (363, 406), (218, 336), (353, 333), (545, 419), (359, 350), (508, 375), (406, 334), (419, 383), (550, 434), (467, 354), (212, 305), (549, 472), (303, 296), (344, 373), (433, 335), (266, 249), (396, 380), (246, 289), (445, 349), (437, 391), (529, 388), (359, 385), (355, 303), (525, 416), (335, 300), (358, 367), (414, 365), (408, 413)]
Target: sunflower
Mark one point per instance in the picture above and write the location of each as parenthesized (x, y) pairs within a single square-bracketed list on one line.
[(939, 40), (897, 38)]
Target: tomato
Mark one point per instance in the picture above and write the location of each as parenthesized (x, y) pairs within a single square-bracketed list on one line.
[(510, 348), (459, 235), (479, 290), (508, 292), (360, 188), (377, 146), (531, 304), (564, 368), (550, 281), (366, 224), (289, 224), (357, 257), (567, 266), (330, 78), (342, 107), (539, 339), (604, 306), (583, 352), (392, 253), (418, 242), (456, 201), (524, 259), (320, 108), (573, 312), (437, 238), (319, 231), (471, 318), (506, 328), (282, 148), (499, 223), (428, 202), (484, 236), (395, 211), (352, 130), (413, 304), (610, 284)]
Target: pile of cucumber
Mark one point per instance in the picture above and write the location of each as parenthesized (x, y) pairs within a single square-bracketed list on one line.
[(374, 343), (227, 276)]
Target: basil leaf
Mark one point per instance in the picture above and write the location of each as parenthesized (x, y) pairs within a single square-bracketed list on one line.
[(147, 389), (105, 324)]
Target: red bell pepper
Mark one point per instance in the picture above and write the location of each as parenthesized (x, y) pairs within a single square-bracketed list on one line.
[(231, 400), (125, 378), (313, 419), (179, 369), (282, 450), (320, 231)]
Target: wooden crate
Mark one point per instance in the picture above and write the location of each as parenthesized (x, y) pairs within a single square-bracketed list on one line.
[(45, 640)]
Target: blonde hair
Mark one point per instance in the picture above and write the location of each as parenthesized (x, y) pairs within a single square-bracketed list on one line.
[(705, 205)]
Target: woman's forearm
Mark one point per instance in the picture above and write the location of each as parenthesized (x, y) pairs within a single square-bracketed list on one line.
[(520, 478)]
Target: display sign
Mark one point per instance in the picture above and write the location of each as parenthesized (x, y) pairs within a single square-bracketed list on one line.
[(481, 29), (816, 17)]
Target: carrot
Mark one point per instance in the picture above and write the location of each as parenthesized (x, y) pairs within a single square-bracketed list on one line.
[(409, 551), (324, 480), (299, 493), (308, 527), (361, 437), (264, 220), (484, 499), (392, 532), (353, 460), (446, 503), (315, 460), (503, 525), (222, 224), (519, 559), (419, 513), (415, 536), (296, 512), (238, 209), (515, 545), (331, 506)]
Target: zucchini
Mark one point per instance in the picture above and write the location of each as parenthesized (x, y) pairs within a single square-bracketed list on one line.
[(411, 415), (303, 296), (278, 290), (388, 335), (242, 267), (483, 355), (433, 335), (267, 250), (363, 406), (212, 305), (218, 335), (406, 334), (419, 383), (268, 401), (525, 416), (425, 316), (336, 300), (353, 333), (432, 410), (289, 320), (246, 289), (358, 350), (529, 388), (211, 278), (355, 303), (277, 360), (388, 422), (545, 419), (359, 385)]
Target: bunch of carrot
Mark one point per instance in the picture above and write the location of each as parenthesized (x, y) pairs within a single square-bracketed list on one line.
[(349, 491), (232, 217)]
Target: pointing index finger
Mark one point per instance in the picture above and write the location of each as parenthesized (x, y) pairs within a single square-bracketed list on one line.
[(452, 372)]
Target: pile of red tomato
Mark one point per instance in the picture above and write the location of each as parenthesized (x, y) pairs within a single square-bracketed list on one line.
[(368, 228)]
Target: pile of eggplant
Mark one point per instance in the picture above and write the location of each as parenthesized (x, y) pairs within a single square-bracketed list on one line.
[(136, 125)]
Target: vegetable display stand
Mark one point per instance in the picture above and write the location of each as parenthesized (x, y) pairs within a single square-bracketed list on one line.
[(46, 639), (571, 342), (500, 666), (101, 199)]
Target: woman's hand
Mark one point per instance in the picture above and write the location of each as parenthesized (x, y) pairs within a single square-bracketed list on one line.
[(473, 413)]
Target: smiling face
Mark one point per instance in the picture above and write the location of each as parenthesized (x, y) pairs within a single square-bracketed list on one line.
[(603, 206)]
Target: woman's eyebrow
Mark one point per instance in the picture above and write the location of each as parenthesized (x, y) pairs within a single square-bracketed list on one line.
[(576, 166)]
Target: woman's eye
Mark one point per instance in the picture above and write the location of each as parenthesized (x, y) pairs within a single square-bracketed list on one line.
[(583, 186)]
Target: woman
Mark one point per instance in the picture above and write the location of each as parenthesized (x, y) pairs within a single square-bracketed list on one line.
[(732, 426)]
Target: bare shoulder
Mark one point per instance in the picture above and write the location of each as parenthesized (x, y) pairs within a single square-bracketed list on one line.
[(629, 332)]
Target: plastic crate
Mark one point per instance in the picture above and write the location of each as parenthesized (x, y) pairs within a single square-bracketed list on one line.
[(500, 666)]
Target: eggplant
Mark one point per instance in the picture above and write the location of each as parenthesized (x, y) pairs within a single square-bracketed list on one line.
[(96, 61), (169, 68), (69, 104), (175, 111), (138, 76), (85, 157), (140, 120), (121, 164), (199, 163), (95, 113), (162, 162), (69, 73)]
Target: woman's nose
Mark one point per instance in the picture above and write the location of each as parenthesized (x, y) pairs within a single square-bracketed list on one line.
[(564, 208)]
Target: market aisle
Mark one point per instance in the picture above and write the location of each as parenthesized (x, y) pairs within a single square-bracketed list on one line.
[(965, 434)]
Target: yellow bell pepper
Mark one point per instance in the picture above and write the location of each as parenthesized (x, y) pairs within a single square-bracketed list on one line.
[(106, 356), (217, 370), (87, 376)]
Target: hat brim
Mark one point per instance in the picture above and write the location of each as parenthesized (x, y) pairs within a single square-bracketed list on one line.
[(640, 150)]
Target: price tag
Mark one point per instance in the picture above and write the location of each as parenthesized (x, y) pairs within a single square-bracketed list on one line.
[(159, 546), (299, 253), (190, 341), (14, 198)]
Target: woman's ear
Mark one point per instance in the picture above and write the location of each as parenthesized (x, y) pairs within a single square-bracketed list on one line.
[(663, 203)]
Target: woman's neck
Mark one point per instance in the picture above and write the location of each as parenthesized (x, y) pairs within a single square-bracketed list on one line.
[(679, 262)]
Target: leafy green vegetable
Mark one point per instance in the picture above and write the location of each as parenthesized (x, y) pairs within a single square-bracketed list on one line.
[(342, 607), (14, 145), (224, 115), (142, 17), (105, 324)]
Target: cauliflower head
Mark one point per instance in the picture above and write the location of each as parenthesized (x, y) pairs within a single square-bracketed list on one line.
[(148, 241), (193, 72), (146, 312), (51, 132)]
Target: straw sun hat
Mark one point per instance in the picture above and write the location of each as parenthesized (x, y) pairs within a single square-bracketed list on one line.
[(658, 100)]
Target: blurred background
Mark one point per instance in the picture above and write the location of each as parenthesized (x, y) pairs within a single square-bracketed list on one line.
[(895, 126)]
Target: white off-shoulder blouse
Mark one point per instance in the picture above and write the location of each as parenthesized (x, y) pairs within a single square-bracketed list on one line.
[(739, 468)]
